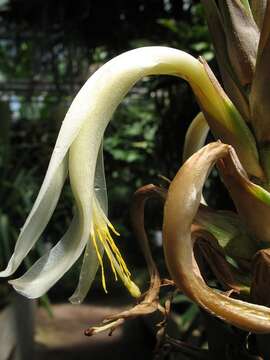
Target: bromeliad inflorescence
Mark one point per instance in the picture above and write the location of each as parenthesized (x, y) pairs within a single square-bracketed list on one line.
[(78, 153), (241, 156)]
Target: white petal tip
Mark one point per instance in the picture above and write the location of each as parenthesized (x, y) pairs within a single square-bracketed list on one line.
[(21, 291)]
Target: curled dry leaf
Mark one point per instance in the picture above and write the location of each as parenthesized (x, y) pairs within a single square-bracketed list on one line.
[(180, 209)]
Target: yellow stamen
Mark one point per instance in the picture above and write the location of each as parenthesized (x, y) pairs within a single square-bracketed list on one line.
[(101, 232), (93, 237), (118, 254), (100, 235)]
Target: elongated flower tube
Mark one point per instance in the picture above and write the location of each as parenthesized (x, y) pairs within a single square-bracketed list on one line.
[(77, 149)]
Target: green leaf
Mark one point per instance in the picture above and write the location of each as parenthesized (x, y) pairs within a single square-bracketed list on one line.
[(229, 231), (231, 128)]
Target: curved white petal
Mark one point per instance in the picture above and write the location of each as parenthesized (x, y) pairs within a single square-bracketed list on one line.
[(38, 218), (53, 265), (90, 263), (88, 272), (196, 135), (195, 139)]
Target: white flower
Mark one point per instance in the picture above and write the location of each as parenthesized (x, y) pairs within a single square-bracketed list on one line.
[(78, 153)]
